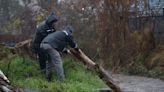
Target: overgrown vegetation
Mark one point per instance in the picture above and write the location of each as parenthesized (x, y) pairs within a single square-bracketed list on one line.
[(25, 73), (141, 70), (123, 34)]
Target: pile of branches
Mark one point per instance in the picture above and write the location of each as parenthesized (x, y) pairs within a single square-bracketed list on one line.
[(5, 85)]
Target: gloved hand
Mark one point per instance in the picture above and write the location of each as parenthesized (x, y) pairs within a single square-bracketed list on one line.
[(77, 49), (65, 51)]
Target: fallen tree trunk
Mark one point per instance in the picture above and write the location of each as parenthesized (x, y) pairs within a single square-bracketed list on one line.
[(98, 69)]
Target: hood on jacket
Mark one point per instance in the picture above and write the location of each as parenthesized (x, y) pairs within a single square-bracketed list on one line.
[(69, 29), (51, 18)]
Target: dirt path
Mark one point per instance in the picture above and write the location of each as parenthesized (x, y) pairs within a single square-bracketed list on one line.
[(139, 84)]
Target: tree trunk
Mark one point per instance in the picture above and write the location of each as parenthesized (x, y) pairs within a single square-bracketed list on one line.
[(98, 69)]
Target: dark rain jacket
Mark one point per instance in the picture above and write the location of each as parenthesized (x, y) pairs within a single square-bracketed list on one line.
[(60, 39), (43, 29)]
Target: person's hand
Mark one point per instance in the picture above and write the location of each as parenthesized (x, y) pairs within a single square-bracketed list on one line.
[(77, 49), (65, 51)]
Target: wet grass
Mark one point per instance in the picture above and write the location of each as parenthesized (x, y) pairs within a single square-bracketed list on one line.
[(25, 73)]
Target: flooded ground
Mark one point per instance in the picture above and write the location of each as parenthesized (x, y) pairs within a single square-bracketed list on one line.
[(139, 84)]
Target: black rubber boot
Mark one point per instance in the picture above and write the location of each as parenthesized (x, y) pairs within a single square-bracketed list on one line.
[(49, 76), (48, 71)]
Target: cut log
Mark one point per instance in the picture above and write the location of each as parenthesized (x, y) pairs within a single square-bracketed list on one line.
[(4, 77), (4, 83), (24, 49), (98, 69)]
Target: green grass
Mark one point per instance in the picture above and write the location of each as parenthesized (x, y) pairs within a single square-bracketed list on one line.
[(26, 74)]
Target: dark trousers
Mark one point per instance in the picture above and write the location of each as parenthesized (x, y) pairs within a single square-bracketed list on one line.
[(42, 58), (54, 59)]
